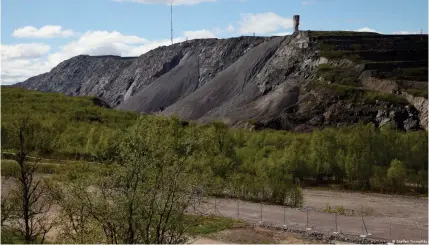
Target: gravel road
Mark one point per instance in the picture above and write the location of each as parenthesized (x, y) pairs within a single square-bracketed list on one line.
[(385, 216)]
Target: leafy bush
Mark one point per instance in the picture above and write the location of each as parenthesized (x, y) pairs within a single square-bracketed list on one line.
[(396, 175), (10, 168), (211, 224), (418, 92)]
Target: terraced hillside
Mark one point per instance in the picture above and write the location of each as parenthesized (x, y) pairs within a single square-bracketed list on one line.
[(307, 80)]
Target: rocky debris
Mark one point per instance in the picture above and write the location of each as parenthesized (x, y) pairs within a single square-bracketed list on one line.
[(115, 79), (167, 89), (403, 118), (421, 104), (323, 236), (101, 103), (273, 82)]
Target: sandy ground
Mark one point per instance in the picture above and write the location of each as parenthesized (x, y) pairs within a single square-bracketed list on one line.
[(253, 235), (384, 216), (387, 208)]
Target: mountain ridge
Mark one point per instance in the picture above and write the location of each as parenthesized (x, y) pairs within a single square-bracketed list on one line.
[(298, 82)]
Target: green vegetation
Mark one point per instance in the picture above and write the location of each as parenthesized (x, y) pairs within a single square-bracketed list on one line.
[(338, 209), (212, 224), (146, 171), (357, 94), (412, 74), (339, 75), (340, 33), (10, 168), (418, 92), (329, 51), (10, 237), (84, 129)]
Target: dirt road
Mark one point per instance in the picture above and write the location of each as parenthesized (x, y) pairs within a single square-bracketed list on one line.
[(385, 216)]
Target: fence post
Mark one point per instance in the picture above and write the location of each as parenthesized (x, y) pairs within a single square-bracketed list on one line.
[(284, 215), (308, 228), (261, 212), (307, 218), (390, 229), (238, 208), (215, 205), (336, 223)]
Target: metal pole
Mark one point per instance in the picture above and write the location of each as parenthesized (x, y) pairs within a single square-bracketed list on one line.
[(307, 218), (171, 9), (336, 223), (284, 215), (261, 212), (390, 229), (238, 208)]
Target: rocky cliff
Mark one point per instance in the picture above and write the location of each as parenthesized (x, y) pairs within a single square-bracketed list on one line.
[(297, 82)]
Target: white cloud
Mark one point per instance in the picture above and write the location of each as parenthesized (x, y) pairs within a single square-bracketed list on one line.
[(175, 2), (97, 43), (308, 2), (27, 50), (366, 29), (22, 61), (230, 28), (263, 23), (406, 32), (18, 70), (139, 50), (199, 34), (282, 33), (44, 32)]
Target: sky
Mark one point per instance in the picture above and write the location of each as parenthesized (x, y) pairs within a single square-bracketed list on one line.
[(36, 35)]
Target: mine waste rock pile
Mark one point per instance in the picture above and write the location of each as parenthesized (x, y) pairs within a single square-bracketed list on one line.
[(307, 80)]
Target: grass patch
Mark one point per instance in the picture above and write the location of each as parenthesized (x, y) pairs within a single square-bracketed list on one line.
[(372, 96), (352, 93), (212, 224), (329, 51), (12, 237), (10, 168), (9, 237), (337, 209), (417, 92), (340, 33), (339, 75), (412, 73)]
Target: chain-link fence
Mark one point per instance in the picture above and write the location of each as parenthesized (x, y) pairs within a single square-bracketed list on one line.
[(327, 223)]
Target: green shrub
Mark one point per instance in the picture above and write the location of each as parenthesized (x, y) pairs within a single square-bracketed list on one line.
[(338, 209), (10, 168), (10, 237), (211, 224), (396, 175), (47, 168), (294, 197), (372, 96), (418, 92)]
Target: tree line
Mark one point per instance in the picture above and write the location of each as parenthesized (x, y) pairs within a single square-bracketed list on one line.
[(139, 178)]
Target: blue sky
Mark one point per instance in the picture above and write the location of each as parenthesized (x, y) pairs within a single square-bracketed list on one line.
[(38, 34)]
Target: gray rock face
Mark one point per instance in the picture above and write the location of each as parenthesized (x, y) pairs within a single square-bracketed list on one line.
[(269, 82), (167, 89), (115, 79)]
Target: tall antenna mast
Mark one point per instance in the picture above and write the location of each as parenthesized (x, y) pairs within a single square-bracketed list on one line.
[(171, 8)]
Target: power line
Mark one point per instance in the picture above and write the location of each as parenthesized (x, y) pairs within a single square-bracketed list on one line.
[(171, 8)]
